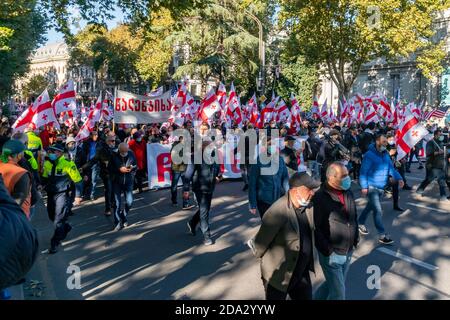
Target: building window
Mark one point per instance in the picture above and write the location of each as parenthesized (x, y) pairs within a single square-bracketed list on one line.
[(194, 89), (395, 84)]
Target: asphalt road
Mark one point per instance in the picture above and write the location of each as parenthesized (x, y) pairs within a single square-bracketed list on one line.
[(156, 258)]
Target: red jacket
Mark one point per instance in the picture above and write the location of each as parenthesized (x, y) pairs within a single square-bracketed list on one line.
[(45, 137), (140, 151)]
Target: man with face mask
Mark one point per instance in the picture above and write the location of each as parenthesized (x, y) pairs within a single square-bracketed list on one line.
[(336, 230), (375, 171), (57, 176), (102, 158), (435, 164), (285, 242), (123, 168), (269, 180), (17, 179), (330, 152)]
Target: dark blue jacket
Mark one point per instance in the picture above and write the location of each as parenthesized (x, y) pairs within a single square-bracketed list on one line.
[(376, 168), (18, 241), (267, 188), (117, 161)]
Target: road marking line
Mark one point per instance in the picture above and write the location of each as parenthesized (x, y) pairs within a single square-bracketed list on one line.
[(414, 178), (425, 207), (408, 259)]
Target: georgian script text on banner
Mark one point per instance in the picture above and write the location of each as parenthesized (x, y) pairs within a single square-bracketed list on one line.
[(133, 108)]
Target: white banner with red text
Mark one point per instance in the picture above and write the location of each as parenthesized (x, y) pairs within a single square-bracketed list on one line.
[(137, 109), (159, 164)]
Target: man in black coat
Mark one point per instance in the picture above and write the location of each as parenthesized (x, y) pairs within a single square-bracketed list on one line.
[(18, 239), (336, 231), (103, 156), (203, 184), (122, 168)]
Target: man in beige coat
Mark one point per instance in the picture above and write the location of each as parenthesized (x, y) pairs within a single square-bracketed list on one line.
[(285, 242)]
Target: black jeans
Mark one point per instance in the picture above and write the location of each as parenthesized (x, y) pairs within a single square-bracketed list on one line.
[(411, 156), (58, 207), (109, 194), (244, 172), (202, 214), (140, 177), (176, 175), (301, 290), (262, 208), (355, 170), (432, 174)]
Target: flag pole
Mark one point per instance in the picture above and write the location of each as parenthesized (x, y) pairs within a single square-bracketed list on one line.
[(114, 121)]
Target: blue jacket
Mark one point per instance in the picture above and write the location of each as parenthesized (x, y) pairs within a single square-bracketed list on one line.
[(267, 188), (376, 168)]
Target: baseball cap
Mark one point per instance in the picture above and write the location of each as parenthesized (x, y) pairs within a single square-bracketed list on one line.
[(57, 147)]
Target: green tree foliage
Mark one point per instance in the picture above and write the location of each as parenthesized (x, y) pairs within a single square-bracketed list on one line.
[(112, 54), (220, 42), (298, 78), (155, 52), (22, 27), (35, 85), (99, 11), (342, 35)]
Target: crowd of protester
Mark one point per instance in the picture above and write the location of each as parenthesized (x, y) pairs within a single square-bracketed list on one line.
[(315, 207)]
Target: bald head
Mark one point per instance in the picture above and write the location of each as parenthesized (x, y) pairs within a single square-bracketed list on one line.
[(336, 172), (123, 149)]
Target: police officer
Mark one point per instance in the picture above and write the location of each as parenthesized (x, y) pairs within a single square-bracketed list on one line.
[(58, 173), (34, 144)]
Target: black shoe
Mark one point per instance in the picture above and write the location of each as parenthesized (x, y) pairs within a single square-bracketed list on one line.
[(397, 208), (420, 168), (174, 204), (385, 240), (245, 188), (191, 228), (408, 171), (52, 250), (406, 187)]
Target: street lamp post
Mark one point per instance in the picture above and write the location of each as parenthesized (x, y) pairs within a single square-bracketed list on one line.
[(262, 55)]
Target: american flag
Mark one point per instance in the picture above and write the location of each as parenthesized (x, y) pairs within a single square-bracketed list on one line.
[(436, 113)]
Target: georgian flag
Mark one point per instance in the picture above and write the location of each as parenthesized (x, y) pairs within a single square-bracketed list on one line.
[(296, 120), (371, 115), (282, 112), (267, 112), (233, 108), (209, 106), (65, 100), (409, 133), (315, 107), (324, 111), (45, 113)]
